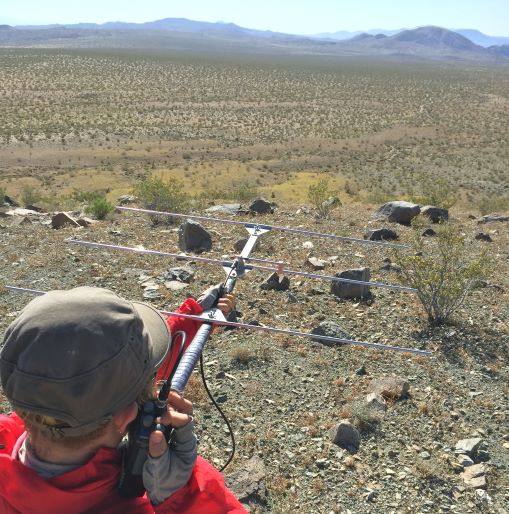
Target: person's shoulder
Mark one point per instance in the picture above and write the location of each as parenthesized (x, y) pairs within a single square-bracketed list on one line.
[(11, 428)]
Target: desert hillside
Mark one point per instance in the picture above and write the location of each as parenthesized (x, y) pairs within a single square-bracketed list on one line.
[(284, 395)]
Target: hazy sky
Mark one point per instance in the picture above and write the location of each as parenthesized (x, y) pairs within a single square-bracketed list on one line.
[(292, 16)]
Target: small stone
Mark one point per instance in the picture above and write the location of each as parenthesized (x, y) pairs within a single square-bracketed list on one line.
[(175, 285), (347, 290), (481, 236), (490, 218), (308, 245), (85, 221), (361, 371), (376, 401), (425, 455), (465, 461), (381, 234), (316, 264), (322, 463), (474, 476), (221, 398), (390, 387), (468, 446), (345, 435), (370, 496), (126, 199), (483, 495), (275, 282), (329, 329)]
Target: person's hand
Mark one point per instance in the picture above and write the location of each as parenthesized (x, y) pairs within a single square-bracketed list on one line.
[(208, 298), (226, 304), (178, 414)]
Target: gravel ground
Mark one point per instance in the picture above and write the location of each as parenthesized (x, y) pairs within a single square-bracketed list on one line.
[(283, 395)]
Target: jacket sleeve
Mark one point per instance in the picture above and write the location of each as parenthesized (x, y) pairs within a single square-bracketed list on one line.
[(180, 329), (168, 473)]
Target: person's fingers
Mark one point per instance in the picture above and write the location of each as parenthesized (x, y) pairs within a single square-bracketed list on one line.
[(157, 444), (175, 419), (179, 403), (226, 304)]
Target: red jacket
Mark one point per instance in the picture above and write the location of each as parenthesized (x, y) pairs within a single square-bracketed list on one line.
[(92, 488), (176, 324)]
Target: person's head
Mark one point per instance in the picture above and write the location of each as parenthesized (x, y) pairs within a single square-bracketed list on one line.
[(75, 361)]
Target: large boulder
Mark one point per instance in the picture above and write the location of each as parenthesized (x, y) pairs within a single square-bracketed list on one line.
[(435, 214), (194, 238), (62, 219), (398, 212), (261, 206), (347, 290)]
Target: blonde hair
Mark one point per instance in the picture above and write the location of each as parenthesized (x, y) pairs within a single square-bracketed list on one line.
[(40, 426)]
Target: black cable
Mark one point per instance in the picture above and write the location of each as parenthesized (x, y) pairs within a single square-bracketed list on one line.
[(230, 430)]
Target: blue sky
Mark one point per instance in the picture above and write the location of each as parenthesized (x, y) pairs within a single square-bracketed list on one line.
[(292, 16)]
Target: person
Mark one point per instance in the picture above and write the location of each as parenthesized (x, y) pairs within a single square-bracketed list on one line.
[(74, 365)]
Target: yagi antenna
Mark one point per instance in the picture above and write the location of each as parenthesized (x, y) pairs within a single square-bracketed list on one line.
[(248, 267), (261, 226), (216, 320)]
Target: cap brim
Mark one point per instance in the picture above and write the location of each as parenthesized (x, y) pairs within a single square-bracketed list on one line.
[(159, 333)]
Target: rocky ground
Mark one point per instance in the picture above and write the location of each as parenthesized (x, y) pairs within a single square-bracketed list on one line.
[(288, 398)]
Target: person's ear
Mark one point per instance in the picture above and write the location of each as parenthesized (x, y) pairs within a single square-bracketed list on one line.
[(125, 416)]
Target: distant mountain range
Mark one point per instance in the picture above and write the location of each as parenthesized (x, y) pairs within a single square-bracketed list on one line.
[(475, 36), (428, 43)]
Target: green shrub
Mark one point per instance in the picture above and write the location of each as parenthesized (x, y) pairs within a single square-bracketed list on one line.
[(323, 198), (491, 204), (87, 196), (29, 196), (433, 190), (157, 195), (442, 269), (100, 207)]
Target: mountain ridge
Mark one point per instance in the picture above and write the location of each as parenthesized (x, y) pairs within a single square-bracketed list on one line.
[(421, 43)]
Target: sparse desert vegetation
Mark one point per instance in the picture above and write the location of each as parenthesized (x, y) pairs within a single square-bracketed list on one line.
[(181, 131), (105, 119)]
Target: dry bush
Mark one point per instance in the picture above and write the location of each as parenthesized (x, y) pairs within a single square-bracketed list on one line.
[(242, 354)]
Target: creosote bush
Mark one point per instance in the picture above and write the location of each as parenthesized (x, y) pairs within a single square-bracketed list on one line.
[(323, 198), (29, 196), (442, 269), (434, 191), (100, 207), (157, 195), (491, 204)]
